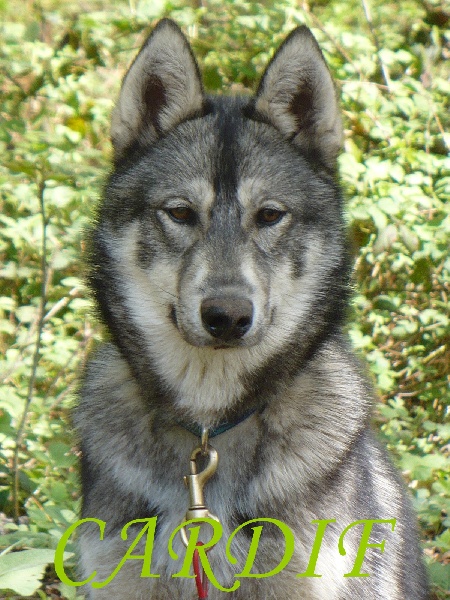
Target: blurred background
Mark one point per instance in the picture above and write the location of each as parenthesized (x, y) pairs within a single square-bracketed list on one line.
[(61, 64)]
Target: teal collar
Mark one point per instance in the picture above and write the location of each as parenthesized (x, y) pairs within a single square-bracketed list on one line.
[(197, 429)]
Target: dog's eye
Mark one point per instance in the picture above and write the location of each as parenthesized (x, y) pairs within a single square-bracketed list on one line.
[(269, 216), (182, 214)]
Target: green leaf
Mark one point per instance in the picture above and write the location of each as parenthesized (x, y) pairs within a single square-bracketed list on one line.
[(22, 571), (379, 218), (422, 272), (422, 467), (409, 238), (385, 239), (440, 575), (58, 492), (61, 454)]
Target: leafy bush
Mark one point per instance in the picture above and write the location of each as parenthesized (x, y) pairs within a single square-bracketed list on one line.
[(61, 65)]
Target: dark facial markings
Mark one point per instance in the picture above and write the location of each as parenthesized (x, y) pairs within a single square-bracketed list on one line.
[(302, 107), (154, 98)]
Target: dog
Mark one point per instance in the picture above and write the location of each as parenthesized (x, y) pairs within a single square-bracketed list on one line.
[(219, 264)]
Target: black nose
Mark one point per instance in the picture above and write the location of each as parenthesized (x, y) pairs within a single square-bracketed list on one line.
[(227, 318)]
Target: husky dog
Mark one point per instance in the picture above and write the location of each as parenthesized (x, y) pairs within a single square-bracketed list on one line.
[(219, 266)]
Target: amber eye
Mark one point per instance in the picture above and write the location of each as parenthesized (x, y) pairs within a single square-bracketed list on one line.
[(182, 214), (269, 216)]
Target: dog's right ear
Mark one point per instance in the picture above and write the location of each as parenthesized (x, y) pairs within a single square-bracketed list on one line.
[(162, 88)]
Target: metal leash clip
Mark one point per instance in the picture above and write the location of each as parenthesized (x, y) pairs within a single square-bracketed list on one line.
[(196, 482)]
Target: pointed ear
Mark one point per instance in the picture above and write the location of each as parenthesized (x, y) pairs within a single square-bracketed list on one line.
[(297, 96), (161, 89)]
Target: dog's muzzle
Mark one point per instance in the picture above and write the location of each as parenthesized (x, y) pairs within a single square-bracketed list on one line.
[(227, 319)]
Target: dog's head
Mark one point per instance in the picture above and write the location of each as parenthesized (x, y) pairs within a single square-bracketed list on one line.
[(221, 232)]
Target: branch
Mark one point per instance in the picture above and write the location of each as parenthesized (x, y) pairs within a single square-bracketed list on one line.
[(346, 56), (36, 355), (384, 71)]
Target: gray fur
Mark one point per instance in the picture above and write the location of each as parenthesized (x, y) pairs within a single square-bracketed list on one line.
[(307, 452)]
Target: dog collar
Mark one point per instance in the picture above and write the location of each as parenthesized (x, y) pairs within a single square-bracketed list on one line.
[(197, 429)]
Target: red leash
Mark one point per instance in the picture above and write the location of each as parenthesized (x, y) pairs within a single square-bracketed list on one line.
[(201, 580)]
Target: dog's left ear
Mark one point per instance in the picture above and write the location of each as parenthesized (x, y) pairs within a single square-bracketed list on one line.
[(297, 96), (161, 89)]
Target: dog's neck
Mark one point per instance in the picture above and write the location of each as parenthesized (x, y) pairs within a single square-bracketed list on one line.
[(223, 426)]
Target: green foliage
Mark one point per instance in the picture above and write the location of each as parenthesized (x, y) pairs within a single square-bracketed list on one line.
[(20, 571), (60, 69)]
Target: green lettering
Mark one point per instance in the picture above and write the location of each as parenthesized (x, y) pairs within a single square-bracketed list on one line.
[(311, 568), (363, 544), (288, 552), (192, 546), (150, 526), (59, 553)]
